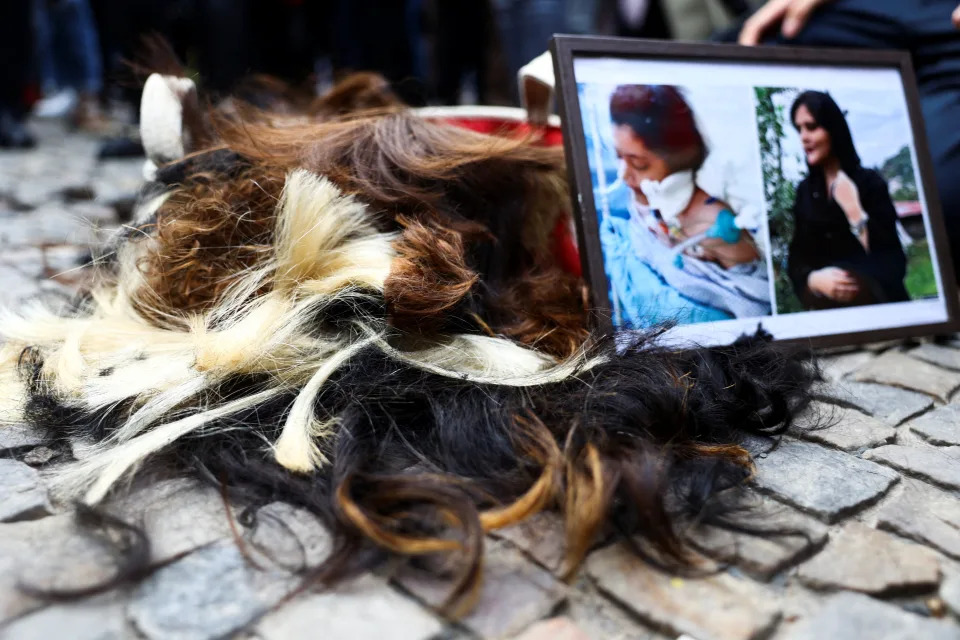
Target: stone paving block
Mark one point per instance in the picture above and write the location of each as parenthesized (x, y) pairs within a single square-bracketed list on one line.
[(885, 345), (30, 194), (900, 370), (941, 426), (16, 287), (860, 558), (27, 260), (602, 618), (77, 192), (837, 367), (178, 516), (289, 537), (758, 446), (790, 535), (853, 616), (40, 456), (210, 593), (49, 225), (924, 514), (515, 593), (559, 628), (889, 404), (50, 553), (842, 428), (117, 180), (99, 213), (827, 483), (17, 436), (66, 260), (364, 609), (940, 465), (542, 537), (22, 494), (936, 354), (718, 607), (83, 620), (950, 593)]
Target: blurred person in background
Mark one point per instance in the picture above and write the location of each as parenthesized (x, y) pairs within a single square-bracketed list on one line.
[(381, 36), (69, 63), (462, 34), (525, 28), (16, 54), (668, 19), (925, 28)]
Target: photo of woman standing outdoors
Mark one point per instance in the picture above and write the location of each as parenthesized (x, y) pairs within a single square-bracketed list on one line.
[(845, 249)]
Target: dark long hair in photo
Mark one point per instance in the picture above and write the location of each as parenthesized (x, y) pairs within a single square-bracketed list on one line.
[(828, 115)]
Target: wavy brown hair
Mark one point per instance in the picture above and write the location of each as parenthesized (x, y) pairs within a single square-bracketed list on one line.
[(491, 203)]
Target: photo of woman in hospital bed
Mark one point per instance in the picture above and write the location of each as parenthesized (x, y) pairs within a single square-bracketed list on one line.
[(675, 250)]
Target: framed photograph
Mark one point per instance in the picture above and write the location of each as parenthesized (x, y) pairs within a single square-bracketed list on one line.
[(722, 188)]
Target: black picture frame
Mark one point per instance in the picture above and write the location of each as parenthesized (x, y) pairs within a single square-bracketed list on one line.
[(566, 49)]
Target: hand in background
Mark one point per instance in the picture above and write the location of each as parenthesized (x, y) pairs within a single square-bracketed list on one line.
[(792, 14), (833, 283), (956, 17)]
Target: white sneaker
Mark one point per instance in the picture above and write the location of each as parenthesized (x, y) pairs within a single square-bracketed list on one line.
[(56, 105)]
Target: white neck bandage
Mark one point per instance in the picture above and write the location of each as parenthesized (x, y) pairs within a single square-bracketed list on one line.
[(670, 196)]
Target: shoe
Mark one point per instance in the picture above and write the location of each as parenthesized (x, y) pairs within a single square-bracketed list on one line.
[(121, 147), (56, 105), (89, 117), (13, 133)]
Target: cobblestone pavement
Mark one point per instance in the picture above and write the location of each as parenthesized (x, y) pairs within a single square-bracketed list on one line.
[(877, 493)]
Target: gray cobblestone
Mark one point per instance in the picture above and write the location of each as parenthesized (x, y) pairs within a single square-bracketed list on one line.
[(365, 609), (718, 607), (926, 515), (289, 537), (941, 426), (541, 537), (602, 619), (559, 628), (178, 516), (40, 456), (210, 593), (15, 436), (950, 592), (49, 225), (50, 553), (22, 495), (516, 593), (77, 621), (784, 536), (758, 446), (940, 465), (900, 370), (889, 404), (938, 355), (826, 483), (16, 289), (854, 616), (839, 366), (842, 428), (861, 558)]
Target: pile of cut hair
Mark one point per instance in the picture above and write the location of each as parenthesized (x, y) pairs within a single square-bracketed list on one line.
[(362, 313)]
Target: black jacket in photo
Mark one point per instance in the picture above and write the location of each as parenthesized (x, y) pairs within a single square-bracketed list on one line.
[(822, 238)]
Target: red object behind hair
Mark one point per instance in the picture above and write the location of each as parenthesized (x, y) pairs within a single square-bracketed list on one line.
[(564, 242)]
